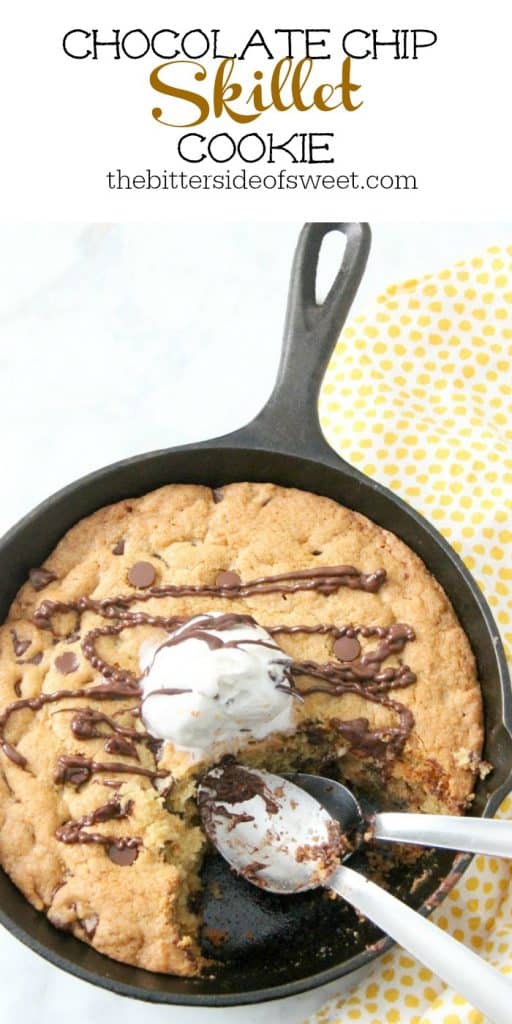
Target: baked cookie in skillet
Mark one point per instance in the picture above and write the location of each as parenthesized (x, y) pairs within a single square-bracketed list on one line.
[(167, 631)]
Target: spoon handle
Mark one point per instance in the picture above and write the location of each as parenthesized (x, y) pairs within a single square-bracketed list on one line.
[(474, 835), (483, 986)]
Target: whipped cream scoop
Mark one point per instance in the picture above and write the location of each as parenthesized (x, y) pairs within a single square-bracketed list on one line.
[(216, 682)]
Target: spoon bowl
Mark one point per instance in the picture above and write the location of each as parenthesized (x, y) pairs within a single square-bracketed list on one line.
[(280, 838), (271, 831), (339, 801)]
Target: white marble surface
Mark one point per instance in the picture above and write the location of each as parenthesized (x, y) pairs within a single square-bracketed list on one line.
[(116, 339)]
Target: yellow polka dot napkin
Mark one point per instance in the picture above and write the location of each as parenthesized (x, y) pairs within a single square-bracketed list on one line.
[(418, 396)]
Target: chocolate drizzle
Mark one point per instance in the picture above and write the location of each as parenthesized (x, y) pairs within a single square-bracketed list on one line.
[(122, 850), (120, 745), (87, 724), (363, 741), (100, 691), (354, 671), (19, 646), (78, 769), (231, 784), (238, 785), (234, 819), (362, 675), (70, 831), (324, 579)]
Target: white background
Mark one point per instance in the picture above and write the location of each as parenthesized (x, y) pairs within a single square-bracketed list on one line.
[(118, 339), (444, 116)]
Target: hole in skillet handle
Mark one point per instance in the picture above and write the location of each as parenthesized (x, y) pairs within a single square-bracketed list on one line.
[(329, 261)]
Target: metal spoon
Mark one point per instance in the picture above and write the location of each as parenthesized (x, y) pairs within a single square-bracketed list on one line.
[(471, 835), (281, 839)]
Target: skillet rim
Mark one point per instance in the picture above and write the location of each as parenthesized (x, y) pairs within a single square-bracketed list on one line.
[(229, 447)]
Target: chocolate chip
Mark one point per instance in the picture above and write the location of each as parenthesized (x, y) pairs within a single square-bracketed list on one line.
[(40, 578), (36, 659), (124, 856), (120, 745), (77, 776), (75, 770), (315, 735), (142, 575), (218, 495), (19, 646), (67, 662), (347, 648), (228, 580), (118, 548)]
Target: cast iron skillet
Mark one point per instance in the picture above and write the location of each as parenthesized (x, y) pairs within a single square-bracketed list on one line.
[(308, 943)]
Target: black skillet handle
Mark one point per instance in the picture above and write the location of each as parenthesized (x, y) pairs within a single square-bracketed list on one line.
[(289, 420)]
